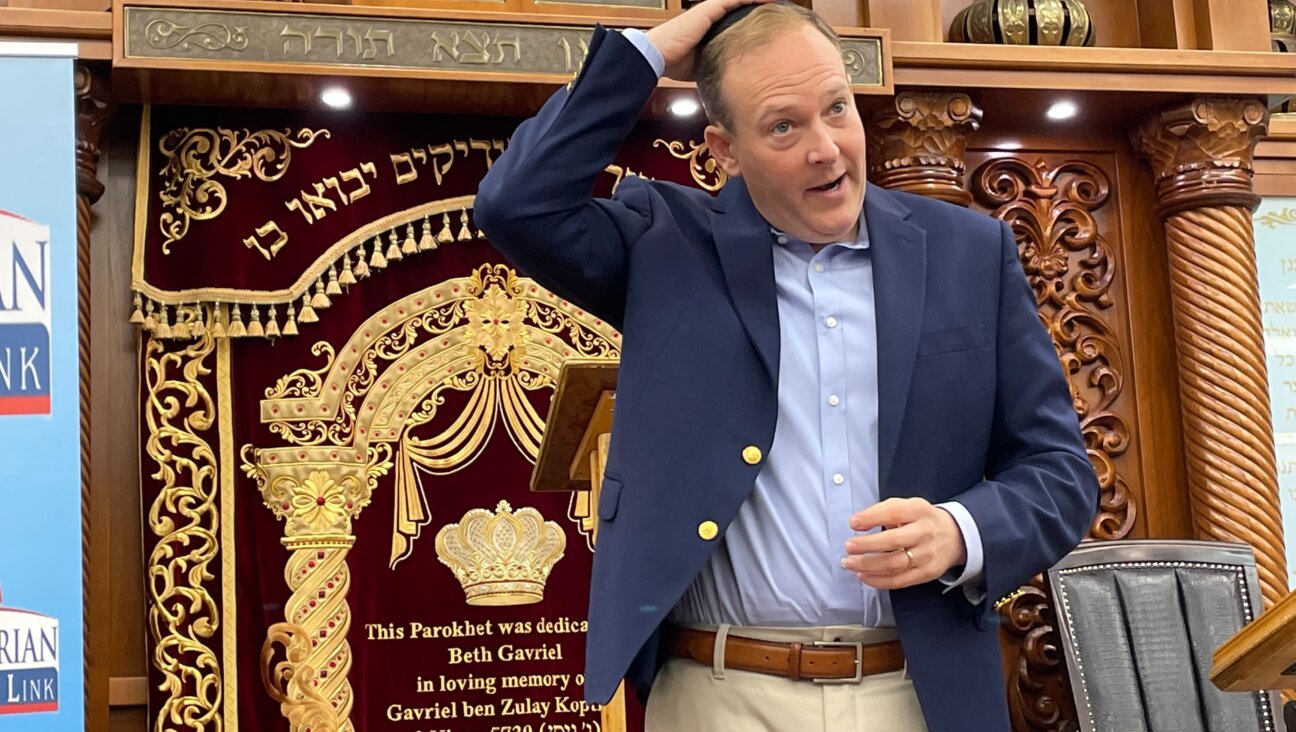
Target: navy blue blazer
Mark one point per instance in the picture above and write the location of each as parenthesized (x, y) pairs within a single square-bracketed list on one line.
[(973, 405)]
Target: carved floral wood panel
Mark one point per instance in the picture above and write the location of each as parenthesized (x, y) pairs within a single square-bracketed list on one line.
[(1064, 213)]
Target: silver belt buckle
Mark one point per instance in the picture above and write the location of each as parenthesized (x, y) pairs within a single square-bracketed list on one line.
[(859, 661)]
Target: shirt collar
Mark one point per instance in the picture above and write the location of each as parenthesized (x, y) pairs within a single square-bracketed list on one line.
[(861, 240)]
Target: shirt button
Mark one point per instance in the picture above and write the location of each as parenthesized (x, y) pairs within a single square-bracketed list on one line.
[(838, 478), (833, 400), (831, 322), (818, 266), (782, 240)]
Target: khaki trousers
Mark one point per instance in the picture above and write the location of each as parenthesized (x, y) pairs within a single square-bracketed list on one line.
[(690, 697)]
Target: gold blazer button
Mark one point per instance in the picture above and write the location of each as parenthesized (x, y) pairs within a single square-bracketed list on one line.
[(708, 530), (751, 455)]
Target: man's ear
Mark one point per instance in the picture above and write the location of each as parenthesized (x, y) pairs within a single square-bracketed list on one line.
[(720, 142)]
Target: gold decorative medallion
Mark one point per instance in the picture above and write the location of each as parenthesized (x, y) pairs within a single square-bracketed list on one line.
[(501, 558)]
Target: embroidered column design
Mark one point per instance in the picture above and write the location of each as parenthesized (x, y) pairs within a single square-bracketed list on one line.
[(180, 416)]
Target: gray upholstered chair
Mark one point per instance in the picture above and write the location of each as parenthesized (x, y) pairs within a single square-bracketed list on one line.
[(1139, 621)]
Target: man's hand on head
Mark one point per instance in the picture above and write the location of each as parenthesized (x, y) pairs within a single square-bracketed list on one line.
[(677, 38), (921, 542)]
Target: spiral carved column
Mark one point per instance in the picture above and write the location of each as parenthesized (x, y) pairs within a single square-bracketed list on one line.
[(92, 110), (319, 578), (918, 146), (317, 499), (1201, 154)]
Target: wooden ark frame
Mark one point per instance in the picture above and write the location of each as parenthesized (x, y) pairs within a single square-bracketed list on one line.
[(1171, 86)]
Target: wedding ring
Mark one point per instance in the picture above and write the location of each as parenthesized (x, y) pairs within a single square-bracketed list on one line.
[(911, 559)]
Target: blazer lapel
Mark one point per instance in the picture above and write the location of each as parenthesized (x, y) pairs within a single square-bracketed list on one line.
[(746, 250), (899, 285)]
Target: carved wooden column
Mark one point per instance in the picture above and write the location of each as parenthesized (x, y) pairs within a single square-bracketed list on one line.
[(918, 146), (92, 110), (1201, 154)]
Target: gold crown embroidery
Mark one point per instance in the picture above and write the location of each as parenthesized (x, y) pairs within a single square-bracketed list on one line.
[(501, 558)]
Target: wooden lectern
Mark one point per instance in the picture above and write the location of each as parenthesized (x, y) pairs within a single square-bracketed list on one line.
[(1261, 656), (573, 454)]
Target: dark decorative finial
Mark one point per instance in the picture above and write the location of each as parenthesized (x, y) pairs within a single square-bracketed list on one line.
[(1024, 23)]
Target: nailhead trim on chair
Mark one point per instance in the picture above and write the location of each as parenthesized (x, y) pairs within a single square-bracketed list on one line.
[(1265, 708)]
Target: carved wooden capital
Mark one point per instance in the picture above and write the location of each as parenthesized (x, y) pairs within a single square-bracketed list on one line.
[(918, 146), (1201, 152), (93, 108)]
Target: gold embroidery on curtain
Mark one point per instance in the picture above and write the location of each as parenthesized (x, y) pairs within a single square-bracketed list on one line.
[(183, 616)]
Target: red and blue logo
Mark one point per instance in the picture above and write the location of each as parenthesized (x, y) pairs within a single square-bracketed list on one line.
[(28, 662), (24, 316)]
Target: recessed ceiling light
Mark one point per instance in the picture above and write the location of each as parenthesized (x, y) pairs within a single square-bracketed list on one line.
[(684, 107), (336, 97), (1062, 110)]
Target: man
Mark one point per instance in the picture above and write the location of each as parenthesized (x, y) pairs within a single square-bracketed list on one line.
[(838, 418)]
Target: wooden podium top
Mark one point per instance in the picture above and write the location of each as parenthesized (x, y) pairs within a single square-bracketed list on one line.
[(1262, 655), (581, 410)]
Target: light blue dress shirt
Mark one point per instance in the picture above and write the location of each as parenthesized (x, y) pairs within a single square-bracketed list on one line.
[(779, 561)]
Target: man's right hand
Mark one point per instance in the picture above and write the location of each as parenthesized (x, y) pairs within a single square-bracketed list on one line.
[(678, 37)]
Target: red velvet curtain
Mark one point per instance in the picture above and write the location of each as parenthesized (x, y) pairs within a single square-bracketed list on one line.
[(244, 209)]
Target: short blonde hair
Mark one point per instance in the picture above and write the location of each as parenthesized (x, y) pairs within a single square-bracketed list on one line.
[(754, 30)]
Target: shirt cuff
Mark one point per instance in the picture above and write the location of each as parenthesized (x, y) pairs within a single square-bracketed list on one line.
[(649, 51), (971, 575)]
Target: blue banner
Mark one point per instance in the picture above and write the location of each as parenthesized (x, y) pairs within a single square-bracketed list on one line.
[(41, 655)]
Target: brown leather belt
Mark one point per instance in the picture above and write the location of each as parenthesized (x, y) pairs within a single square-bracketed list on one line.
[(821, 662)]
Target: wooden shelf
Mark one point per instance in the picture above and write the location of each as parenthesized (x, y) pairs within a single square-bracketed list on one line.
[(91, 31), (972, 65), (1282, 128), (71, 24), (1137, 60), (1275, 158)]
